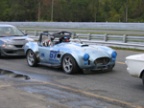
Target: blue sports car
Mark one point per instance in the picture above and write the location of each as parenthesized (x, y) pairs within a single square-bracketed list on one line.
[(58, 50)]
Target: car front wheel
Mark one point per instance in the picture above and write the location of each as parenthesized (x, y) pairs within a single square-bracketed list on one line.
[(110, 68), (143, 78), (69, 64), (31, 58)]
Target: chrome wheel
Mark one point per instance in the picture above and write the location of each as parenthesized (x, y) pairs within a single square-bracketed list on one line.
[(31, 59), (69, 64)]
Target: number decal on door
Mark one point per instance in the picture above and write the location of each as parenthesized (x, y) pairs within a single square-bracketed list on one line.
[(53, 55)]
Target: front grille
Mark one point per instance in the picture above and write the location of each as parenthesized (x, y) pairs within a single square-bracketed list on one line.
[(102, 61), (18, 46)]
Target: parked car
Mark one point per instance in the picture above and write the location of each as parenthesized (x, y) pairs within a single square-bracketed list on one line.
[(135, 66), (58, 50), (12, 41)]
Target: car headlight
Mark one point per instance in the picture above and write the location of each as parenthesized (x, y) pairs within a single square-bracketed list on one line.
[(86, 57), (114, 54), (7, 46)]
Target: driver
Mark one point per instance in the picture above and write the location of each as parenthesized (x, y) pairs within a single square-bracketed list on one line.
[(46, 43), (64, 39)]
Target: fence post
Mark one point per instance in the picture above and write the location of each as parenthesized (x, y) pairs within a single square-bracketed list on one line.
[(74, 35), (105, 37), (89, 37), (24, 31), (35, 32), (124, 38)]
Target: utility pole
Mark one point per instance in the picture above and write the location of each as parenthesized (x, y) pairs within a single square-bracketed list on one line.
[(95, 9), (126, 14), (52, 6), (39, 11)]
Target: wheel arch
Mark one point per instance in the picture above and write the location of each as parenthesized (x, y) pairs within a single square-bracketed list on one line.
[(36, 54), (70, 55), (76, 68), (32, 46), (141, 74), (28, 50)]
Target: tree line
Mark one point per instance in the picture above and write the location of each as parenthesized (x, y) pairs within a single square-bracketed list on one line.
[(72, 10)]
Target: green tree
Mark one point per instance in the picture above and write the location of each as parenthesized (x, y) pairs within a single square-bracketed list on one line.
[(72, 10)]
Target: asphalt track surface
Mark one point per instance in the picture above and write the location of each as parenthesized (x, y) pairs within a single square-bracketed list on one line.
[(46, 87)]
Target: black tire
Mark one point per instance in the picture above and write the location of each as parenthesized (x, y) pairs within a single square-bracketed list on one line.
[(110, 68), (31, 58), (69, 65), (0, 55), (143, 78)]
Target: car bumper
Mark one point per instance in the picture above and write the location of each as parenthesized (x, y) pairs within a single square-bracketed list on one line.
[(100, 67), (12, 52), (134, 70), (103, 67)]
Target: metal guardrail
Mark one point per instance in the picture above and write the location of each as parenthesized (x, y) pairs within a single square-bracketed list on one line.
[(115, 40), (81, 25), (126, 35)]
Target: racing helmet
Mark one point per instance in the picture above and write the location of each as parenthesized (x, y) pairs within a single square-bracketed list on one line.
[(66, 39)]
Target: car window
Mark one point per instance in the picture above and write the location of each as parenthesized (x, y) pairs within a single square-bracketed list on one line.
[(10, 31), (44, 38)]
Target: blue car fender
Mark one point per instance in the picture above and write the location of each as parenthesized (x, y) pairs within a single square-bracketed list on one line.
[(32, 46)]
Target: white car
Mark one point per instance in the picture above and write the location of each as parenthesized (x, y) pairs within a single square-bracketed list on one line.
[(135, 65)]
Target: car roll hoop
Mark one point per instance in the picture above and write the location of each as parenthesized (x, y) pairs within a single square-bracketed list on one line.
[(41, 35), (46, 38), (64, 36)]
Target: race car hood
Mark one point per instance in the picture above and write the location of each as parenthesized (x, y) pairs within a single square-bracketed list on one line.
[(136, 57), (94, 51), (15, 39)]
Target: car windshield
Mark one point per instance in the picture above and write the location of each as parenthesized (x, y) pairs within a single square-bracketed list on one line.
[(10, 31)]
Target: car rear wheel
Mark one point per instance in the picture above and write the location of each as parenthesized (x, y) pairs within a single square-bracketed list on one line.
[(69, 65), (31, 58)]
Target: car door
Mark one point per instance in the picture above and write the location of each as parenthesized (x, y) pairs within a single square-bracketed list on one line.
[(54, 56), (49, 54), (44, 52)]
